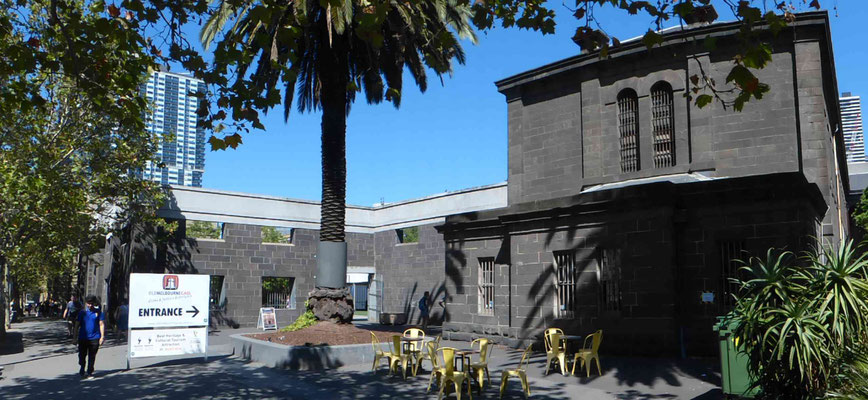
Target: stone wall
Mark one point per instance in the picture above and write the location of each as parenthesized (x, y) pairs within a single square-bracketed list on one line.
[(243, 260), (563, 123), (667, 239), (408, 270)]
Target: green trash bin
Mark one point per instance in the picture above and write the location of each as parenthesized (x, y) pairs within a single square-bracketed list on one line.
[(733, 364)]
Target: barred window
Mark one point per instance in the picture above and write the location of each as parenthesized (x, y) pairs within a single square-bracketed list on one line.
[(663, 125), (565, 284), (486, 286), (730, 253), (609, 279), (278, 292), (628, 129)]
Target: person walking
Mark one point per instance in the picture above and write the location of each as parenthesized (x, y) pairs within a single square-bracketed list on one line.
[(70, 315), (424, 309), (91, 334)]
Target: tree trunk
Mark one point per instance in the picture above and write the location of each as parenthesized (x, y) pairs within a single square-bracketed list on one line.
[(330, 299), (334, 159), (4, 301)]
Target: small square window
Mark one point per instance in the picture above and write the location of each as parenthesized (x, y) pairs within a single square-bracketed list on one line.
[(271, 234), (408, 235)]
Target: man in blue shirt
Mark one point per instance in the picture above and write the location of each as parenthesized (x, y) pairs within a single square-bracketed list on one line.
[(91, 334)]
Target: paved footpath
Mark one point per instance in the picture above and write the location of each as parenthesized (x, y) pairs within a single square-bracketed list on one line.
[(47, 368)]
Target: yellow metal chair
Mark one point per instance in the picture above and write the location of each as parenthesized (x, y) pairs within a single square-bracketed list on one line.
[(437, 369), (426, 355), (520, 372), (378, 352), (556, 348), (414, 333), (480, 368), (451, 375), (589, 353), (415, 347), (397, 357)]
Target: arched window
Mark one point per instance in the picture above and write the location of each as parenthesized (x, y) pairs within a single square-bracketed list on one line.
[(663, 125), (628, 129)]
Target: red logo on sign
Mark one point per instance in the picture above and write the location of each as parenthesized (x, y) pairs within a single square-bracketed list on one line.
[(170, 282)]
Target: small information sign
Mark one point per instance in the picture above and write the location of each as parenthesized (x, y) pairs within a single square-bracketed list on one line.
[(267, 318)]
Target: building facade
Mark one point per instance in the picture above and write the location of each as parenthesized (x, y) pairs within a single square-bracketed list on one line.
[(242, 262), (181, 151), (851, 124), (627, 204), (624, 210)]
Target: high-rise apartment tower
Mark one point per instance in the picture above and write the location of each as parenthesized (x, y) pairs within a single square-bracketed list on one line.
[(851, 121), (182, 145)]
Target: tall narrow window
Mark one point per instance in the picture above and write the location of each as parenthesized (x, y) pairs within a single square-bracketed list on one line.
[(628, 129), (486, 286), (609, 278), (565, 285), (218, 293), (663, 125), (730, 253)]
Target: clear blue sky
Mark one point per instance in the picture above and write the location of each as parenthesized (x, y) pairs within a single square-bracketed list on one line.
[(454, 136)]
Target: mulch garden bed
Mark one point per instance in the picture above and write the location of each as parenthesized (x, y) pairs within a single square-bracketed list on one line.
[(327, 333)]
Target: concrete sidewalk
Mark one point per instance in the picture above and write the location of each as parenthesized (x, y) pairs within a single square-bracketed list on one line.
[(47, 369)]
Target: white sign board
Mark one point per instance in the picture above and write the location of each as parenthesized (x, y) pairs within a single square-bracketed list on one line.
[(167, 342), (267, 319), (168, 300)]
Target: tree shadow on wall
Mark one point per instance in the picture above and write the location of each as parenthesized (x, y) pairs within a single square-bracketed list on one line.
[(411, 305)]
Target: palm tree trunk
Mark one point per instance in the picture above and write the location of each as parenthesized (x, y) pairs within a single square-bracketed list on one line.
[(331, 300), (334, 162)]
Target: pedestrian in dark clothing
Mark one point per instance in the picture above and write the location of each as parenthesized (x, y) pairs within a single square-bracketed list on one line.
[(70, 315), (424, 309), (91, 334)]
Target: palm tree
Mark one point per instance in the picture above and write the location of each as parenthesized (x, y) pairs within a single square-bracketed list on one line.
[(323, 53)]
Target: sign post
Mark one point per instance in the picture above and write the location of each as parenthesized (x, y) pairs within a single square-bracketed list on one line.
[(168, 315)]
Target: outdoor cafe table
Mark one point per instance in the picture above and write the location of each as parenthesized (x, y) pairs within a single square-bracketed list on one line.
[(407, 347), (464, 356), (571, 338)]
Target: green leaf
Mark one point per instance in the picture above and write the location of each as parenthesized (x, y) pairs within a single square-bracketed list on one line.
[(216, 144), (703, 100), (757, 56), (652, 38), (683, 9), (233, 140)]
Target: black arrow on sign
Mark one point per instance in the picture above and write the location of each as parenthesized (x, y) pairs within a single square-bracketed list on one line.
[(195, 311)]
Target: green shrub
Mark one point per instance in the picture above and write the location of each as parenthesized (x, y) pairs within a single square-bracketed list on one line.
[(303, 321), (802, 325)]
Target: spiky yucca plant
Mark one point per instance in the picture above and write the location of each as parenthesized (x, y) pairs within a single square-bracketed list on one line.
[(799, 324)]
